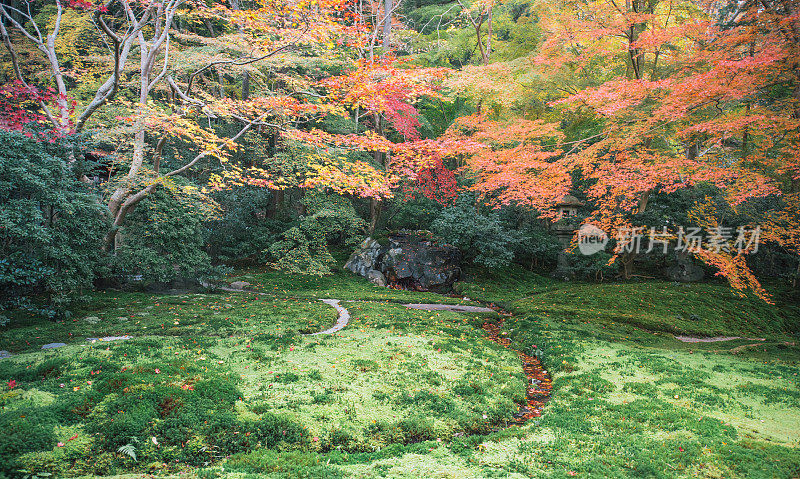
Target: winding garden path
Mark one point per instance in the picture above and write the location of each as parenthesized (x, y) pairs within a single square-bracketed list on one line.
[(538, 381), (449, 307), (716, 339), (341, 322)]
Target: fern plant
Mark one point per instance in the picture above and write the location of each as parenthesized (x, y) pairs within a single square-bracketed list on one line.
[(129, 450)]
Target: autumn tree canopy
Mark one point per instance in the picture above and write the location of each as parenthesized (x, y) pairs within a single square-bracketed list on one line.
[(632, 106), (683, 94)]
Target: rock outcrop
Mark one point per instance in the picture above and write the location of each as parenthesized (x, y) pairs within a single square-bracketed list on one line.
[(684, 271), (240, 285), (410, 260)]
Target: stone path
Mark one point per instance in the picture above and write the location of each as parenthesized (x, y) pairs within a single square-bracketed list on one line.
[(459, 308), (715, 339), (344, 317), (109, 338)]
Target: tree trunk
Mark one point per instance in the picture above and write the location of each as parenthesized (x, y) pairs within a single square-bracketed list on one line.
[(275, 203), (157, 154), (481, 46), (375, 204), (627, 265), (387, 24), (246, 86), (629, 257), (210, 27), (488, 38), (301, 206), (374, 215), (221, 81), (692, 151), (643, 202)]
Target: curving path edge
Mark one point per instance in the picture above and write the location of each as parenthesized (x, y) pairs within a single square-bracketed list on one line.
[(341, 322), (716, 339)]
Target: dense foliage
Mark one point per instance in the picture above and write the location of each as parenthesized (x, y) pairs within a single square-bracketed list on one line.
[(166, 237), (165, 145), (483, 237), (211, 132), (51, 227), (303, 249)]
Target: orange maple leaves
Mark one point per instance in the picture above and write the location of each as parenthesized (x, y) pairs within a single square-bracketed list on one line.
[(687, 94)]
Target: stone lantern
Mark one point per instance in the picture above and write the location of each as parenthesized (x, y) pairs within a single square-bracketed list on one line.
[(568, 207), (567, 218), (564, 227)]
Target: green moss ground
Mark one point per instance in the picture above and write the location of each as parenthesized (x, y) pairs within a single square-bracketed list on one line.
[(339, 285), (403, 393), (209, 375)]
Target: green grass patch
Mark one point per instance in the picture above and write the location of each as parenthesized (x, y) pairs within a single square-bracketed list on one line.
[(227, 385)]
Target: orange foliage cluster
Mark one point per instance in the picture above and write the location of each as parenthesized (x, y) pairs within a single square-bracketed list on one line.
[(705, 96), (405, 161), (384, 87)]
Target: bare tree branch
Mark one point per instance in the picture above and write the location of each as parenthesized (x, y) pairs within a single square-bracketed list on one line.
[(135, 198), (15, 65), (241, 62)]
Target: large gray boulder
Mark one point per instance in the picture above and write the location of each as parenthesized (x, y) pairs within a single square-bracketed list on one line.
[(240, 285), (684, 271), (377, 278), (364, 258), (410, 260)]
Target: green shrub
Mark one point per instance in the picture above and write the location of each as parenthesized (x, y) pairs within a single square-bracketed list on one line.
[(244, 230), (643, 389), (469, 387), (164, 236), (336, 438), (385, 432), (301, 252), (274, 429), (189, 422), (217, 390), (286, 378), (51, 226), (61, 461), (536, 247), (408, 212), (43, 368), (435, 403), (25, 430), (277, 341), (332, 220), (594, 267), (482, 239), (416, 429), (295, 464), (365, 365)]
